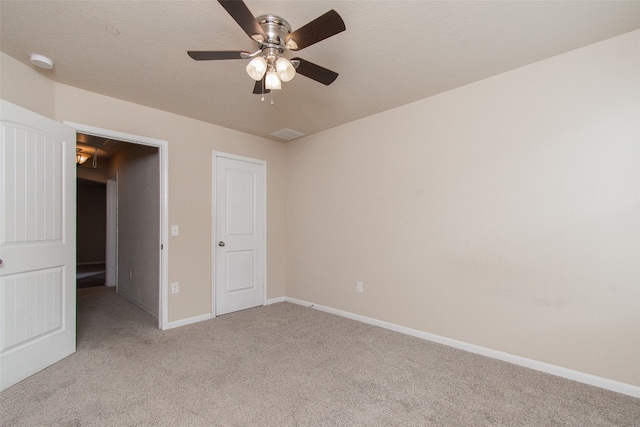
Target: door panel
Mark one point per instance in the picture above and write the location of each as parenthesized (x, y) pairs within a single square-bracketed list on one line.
[(240, 268), (241, 190), (32, 305), (37, 243), (240, 244)]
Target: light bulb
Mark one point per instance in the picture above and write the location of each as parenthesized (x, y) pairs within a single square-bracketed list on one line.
[(286, 72), (256, 68), (272, 81)]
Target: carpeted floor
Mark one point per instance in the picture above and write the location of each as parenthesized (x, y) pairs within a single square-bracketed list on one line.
[(287, 365)]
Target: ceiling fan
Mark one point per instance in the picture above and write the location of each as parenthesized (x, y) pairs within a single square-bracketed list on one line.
[(268, 66)]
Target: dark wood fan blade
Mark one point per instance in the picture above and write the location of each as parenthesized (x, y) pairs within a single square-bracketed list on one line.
[(317, 30), (243, 16), (212, 55), (315, 72), (258, 88)]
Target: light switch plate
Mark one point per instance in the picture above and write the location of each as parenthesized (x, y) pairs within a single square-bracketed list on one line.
[(175, 230)]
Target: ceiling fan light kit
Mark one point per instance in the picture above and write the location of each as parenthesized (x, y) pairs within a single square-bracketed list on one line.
[(272, 81), (257, 67), (268, 66), (285, 69)]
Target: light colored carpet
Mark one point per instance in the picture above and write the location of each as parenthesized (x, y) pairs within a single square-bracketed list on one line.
[(287, 365)]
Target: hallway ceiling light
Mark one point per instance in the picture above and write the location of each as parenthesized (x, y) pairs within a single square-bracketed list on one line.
[(81, 157)]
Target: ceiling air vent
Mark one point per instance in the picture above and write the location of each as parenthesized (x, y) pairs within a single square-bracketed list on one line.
[(287, 134)]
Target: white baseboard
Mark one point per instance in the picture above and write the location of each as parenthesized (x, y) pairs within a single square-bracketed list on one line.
[(203, 317), (548, 368), (188, 321)]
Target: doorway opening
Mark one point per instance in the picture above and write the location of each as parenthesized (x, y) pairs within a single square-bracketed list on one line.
[(130, 172)]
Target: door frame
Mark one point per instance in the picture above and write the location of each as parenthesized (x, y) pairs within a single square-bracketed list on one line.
[(214, 233), (163, 156)]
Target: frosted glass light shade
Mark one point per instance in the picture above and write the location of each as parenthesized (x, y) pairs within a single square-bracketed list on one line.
[(285, 70), (272, 81), (81, 157), (257, 67)]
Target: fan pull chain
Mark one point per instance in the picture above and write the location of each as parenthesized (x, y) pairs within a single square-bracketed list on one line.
[(95, 158)]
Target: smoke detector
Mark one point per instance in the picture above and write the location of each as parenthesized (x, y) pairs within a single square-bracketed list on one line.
[(41, 61)]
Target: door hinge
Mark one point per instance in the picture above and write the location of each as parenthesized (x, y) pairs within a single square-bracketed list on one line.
[(161, 246)]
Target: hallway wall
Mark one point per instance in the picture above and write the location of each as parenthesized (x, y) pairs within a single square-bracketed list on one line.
[(91, 222)]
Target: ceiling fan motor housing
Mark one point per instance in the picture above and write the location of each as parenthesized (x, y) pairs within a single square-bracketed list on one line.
[(276, 29)]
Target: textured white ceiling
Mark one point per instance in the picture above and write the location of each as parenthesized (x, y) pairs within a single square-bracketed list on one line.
[(392, 53)]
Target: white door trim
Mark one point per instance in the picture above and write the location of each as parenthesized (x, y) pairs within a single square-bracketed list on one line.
[(163, 154), (214, 237)]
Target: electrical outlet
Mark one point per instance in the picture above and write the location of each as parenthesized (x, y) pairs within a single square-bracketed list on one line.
[(175, 288), (359, 287)]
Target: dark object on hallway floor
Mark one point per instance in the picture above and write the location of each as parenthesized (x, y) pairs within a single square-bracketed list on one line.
[(88, 275), (89, 281)]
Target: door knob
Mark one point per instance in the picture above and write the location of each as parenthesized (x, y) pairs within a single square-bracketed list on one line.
[(220, 243)]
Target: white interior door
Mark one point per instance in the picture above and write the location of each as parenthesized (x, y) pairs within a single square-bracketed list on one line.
[(37, 243), (240, 240)]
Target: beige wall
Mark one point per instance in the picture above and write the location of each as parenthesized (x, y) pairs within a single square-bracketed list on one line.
[(26, 87), (191, 143), (503, 214)]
